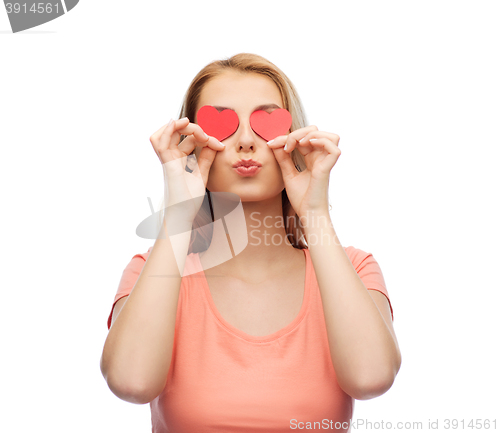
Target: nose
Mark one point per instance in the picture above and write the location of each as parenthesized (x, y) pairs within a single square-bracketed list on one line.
[(245, 137)]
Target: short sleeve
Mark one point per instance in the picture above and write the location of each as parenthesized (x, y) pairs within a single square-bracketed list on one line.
[(369, 271), (130, 276)]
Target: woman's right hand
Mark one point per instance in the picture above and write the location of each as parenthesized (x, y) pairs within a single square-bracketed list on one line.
[(181, 185)]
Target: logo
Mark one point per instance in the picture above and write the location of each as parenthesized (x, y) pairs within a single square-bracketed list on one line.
[(27, 14), (224, 216)]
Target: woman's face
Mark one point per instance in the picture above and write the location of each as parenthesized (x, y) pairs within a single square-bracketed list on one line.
[(244, 93)]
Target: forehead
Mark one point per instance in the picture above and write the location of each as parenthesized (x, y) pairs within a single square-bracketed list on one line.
[(242, 92)]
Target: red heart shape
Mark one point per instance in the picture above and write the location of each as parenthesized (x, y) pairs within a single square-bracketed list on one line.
[(219, 125), (271, 125)]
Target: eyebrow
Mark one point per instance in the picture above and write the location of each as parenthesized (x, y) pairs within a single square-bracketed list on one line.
[(264, 107)]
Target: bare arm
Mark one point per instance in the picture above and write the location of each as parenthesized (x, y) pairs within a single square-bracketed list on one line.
[(116, 310), (138, 349), (362, 341)]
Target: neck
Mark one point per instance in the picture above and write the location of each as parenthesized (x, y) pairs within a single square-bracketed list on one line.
[(249, 240)]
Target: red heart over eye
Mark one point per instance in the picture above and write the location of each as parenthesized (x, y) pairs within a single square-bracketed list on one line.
[(219, 125), (271, 125)]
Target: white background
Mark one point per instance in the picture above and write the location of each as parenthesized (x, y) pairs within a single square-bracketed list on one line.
[(411, 88)]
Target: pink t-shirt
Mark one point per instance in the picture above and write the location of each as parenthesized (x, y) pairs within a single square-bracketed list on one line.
[(222, 380)]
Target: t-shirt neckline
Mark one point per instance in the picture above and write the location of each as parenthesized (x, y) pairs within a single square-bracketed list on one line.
[(264, 338)]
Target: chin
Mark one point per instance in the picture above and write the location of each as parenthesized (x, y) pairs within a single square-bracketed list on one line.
[(254, 188)]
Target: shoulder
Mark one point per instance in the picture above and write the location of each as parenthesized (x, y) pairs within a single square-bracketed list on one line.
[(369, 271), (143, 256), (361, 259), (357, 256), (139, 259), (192, 264)]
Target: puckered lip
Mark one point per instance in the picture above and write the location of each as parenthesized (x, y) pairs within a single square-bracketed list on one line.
[(246, 163)]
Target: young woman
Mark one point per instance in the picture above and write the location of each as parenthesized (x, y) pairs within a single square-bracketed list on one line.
[(282, 333)]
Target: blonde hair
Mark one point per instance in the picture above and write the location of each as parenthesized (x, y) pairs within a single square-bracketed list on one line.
[(201, 234)]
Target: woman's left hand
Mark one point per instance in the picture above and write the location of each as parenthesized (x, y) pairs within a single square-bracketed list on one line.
[(307, 190)]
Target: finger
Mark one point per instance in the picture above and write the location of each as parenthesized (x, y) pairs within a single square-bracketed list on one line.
[(282, 141), (194, 129), (334, 138), (169, 136), (190, 142), (278, 141), (201, 137), (180, 122), (205, 160), (326, 144), (295, 136), (288, 169), (155, 137)]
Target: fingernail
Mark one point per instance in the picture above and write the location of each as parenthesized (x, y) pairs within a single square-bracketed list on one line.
[(222, 144), (302, 139), (269, 142), (170, 121), (184, 118), (285, 146)]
